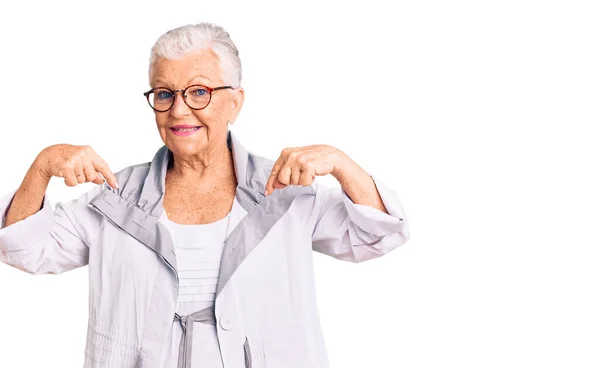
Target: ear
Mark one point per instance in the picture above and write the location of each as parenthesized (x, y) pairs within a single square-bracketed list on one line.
[(236, 103)]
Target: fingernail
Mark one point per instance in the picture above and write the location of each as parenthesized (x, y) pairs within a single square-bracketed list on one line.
[(116, 185), (266, 191)]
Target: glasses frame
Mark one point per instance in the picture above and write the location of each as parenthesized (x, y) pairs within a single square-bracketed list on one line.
[(183, 95)]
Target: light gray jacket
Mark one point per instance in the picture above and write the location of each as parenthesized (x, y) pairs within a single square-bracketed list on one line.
[(265, 309)]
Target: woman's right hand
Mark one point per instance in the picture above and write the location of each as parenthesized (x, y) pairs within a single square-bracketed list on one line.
[(77, 164)]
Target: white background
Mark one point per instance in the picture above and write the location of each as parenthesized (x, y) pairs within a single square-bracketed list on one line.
[(481, 115)]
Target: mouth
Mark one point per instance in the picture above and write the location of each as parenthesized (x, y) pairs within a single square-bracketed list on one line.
[(185, 131)]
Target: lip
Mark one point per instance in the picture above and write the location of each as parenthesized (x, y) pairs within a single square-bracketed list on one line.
[(182, 126), (184, 134)]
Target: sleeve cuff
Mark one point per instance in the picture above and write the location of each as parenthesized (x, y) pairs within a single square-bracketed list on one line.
[(22, 234), (373, 220)]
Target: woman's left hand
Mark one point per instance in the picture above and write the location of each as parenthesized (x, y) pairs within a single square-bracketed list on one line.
[(300, 165)]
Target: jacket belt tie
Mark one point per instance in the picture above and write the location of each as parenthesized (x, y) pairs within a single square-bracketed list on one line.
[(206, 315)]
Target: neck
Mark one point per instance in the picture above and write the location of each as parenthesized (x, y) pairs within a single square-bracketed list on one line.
[(205, 168)]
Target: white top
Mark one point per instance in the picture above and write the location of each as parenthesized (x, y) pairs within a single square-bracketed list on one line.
[(198, 250)]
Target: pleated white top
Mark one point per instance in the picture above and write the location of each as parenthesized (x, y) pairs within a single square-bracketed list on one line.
[(198, 250)]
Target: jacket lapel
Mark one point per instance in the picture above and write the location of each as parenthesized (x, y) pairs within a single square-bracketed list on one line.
[(137, 223), (253, 228)]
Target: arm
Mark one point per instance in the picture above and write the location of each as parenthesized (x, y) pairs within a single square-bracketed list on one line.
[(362, 220), (28, 198), (36, 239)]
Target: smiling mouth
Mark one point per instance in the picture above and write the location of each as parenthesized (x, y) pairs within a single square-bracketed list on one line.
[(185, 129)]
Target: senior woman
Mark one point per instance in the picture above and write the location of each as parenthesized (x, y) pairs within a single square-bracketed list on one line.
[(203, 256)]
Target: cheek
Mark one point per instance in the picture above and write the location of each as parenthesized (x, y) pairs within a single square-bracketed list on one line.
[(161, 120), (211, 114), (218, 110)]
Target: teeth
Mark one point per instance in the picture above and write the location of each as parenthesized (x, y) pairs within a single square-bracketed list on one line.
[(185, 129)]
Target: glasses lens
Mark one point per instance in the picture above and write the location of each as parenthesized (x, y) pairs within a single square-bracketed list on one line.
[(161, 99), (197, 97)]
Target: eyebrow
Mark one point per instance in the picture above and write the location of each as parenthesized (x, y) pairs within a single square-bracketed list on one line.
[(200, 76)]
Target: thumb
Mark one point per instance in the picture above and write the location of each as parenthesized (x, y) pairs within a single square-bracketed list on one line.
[(279, 185)]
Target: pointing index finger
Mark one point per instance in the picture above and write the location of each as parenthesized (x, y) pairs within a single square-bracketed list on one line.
[(269, 188), (103, 168)]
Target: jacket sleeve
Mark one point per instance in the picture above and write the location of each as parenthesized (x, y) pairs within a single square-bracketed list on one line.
[(354, 232), (48, 241)]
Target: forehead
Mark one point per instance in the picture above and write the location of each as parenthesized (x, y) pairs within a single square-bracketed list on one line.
[(200, 66)]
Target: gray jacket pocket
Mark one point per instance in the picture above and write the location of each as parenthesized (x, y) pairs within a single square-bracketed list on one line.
[(247, 355)]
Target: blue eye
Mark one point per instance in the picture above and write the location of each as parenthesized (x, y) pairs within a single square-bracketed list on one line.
[(163, 95), (198, 92)]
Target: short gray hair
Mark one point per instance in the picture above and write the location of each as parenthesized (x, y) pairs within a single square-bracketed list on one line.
[(180, 41)]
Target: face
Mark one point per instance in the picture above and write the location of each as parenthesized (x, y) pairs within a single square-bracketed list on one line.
[(200, 67)]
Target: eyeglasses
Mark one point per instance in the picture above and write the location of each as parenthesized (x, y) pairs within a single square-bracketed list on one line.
[(196, 96)]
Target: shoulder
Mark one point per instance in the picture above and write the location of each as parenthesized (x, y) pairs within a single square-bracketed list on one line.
[(260, 166), (135, 173), (131, 181)]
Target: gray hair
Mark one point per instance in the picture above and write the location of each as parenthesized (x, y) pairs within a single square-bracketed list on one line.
[(180, 41)]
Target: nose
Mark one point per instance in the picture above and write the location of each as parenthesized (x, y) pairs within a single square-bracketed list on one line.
[(180, 108)]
